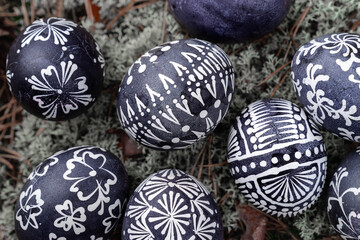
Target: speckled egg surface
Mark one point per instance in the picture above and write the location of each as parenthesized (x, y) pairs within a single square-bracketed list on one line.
[(171, 204), (176, 94), (326, 77), (277, 157), (229, 20), (74, 194), (55, 69), (343, 204)]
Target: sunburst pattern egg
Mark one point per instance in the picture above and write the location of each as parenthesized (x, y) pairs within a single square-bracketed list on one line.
[(78, 193), (171, 204), (55, 69), (277, 157), (176, 94)]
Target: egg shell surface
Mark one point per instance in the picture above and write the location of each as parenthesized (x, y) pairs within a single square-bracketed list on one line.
[(326, 78), (277, 157), (343, 205), (78, 193), (55, 69), (229, 21), (176, 94), (171, 204)]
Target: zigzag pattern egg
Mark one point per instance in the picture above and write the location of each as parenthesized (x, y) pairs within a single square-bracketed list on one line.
[(171, 204), (326, 78), (277, 157), (343, 203), (78, 193), (55, 69), (176, 94)]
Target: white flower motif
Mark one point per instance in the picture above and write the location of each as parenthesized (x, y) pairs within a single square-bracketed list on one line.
[(92, 179), (173, 217), (348, 224), (335, 43), (54, 89), (320, 106), (115, 210), (30, 207), (40, 30), (70, 218), (42, 169), (139, 210), (349, 135), (201, 204)]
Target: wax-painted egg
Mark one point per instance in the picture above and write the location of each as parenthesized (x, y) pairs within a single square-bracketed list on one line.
[(277, 157), (171, 204), (229, 20), (176, 94), (55, 69), (326, 78), (75, 194), (343, 206)]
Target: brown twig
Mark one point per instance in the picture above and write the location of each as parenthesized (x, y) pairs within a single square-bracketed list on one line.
[(280, 83), (273, 73), (59, 9), (25, 13), (32, 7), (163, 33)]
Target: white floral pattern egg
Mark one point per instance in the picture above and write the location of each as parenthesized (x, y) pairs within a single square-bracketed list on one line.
[(55, 69), (173, 205), (176, 94), (326, 78), (277, 157), (78, 193), (343, 204)]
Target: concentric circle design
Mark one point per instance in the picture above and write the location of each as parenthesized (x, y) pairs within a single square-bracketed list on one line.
[(176, 94), (277, 157)]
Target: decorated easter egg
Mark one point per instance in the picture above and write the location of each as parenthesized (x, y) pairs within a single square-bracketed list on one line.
[(75, 194), (55, 69), (326, 78), (229, 20), (171, 204), (277, 157), (176, 94), (343, 205)]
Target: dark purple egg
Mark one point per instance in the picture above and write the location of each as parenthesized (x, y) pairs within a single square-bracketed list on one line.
[(343, 206), (78, 193), (277, 157), (229, 20), (173, 205), (176, 94), (326, 79), (55, 69)]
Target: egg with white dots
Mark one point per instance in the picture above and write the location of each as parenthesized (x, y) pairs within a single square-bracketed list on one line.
[(176, 94), (277, 157), (171, 204), (55, 69)]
